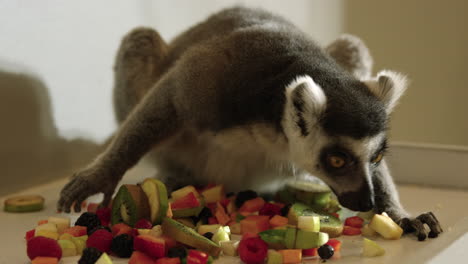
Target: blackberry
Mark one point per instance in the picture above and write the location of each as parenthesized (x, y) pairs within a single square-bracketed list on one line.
[(285, 210), (90, 220), (204, 215), (90, 232), (245, 196), (229, 194), (208, 235), (122, 245), (326, 251), (90, 256), (177, 252)]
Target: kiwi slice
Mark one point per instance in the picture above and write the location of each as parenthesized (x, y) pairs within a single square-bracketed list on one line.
[(328, 223), (24, 203), (315, 195), (129, 205), (189, 236)]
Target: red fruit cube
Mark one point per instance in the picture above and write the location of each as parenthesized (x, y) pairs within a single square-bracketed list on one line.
[(143, 224), (170, 242), (168, 261), (270, 209), (252, 205), (335, 243), (100, 239), (351, 231), (221, 215), (354, 221), (255, 224), (44, 260), (104, 214), (76, 231), (188, 201), (121, 228), (252, 250), (212, 221), (140, 258), (278, 220), (43, 247), (197, 257), (154, 247), (29, 234), (311, 252), (92, 207)]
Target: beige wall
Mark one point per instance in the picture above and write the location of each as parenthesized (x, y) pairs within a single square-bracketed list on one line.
[(427, 40)]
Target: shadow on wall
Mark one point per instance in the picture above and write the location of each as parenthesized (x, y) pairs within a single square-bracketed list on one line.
[(31, 150)]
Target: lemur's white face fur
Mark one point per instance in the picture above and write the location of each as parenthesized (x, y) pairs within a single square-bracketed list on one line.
[(345, 162)]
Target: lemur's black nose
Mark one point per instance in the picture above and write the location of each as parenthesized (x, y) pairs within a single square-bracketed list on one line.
[(361, 200)]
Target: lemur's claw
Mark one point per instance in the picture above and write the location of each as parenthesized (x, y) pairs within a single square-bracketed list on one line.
[(416, 225)]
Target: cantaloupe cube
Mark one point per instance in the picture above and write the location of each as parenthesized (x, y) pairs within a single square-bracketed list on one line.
[(291, 256)]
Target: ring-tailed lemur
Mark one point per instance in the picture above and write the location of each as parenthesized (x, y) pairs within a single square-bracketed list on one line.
[(247, 99)]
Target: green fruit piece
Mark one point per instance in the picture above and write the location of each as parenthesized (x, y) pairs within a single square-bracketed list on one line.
[(24, 203), (80, 244), (68, 248), (157, 198), (309, 223), (188, 212), (177, 194), (104, 259), (130, 205), (315, 195), (274, 257), (273, 236), (202, 229), (309, 239), (61, 222), (189, 236), (290, 237), (229, 247), (372, 249), (328, 223), (333, 206), (220, 235)]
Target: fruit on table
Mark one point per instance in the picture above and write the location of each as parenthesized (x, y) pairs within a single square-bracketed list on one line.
[(354, 221), (44, 260), (154, 247), (130, 205), (168, 261), (90, 255), (351, 231), (104, 259), (100, 239), (290, 237), (143, 224), (317, 196), (311, 252), (291, 256), (122, 245), (221, 215), (309, 239), (140, 258), (274, 236), (229, 247), (47, 230), (68, 248), (187, 201), (244, 196), (252, 250), (202, 229), (220, 235), (278, 221), (156, 193), (80, 243), (189, 211), (252, 205), (24, 203), (177, 194), (335, 243), (189, 236), (62, 223), (274, 257), (367, 231), (121, 228), (255, 224), (386, 227), (43, 247), (371, 249), (326, 252), (328, 223), (213, 194), (76, 231), (197, 257), (308, 223)]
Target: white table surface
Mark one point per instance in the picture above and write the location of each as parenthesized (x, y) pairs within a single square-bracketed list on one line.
[(450, 206)]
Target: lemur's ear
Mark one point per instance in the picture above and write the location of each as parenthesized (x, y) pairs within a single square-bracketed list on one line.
[(305, 102), (389, 86)]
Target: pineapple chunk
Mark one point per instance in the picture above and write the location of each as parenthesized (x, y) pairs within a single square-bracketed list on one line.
[(385, 226)]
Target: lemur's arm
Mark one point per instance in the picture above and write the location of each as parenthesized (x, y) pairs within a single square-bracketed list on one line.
[(151, 122), (387, 200)]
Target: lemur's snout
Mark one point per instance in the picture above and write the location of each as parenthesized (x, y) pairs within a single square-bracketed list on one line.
[(361, 200)]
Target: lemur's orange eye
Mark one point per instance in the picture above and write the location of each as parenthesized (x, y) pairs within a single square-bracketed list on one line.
[(336, 161), (377, 158)]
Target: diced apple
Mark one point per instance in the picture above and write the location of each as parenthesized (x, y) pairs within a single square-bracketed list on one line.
[(308, 223), (177, 194), (214, 194), (61, 222), (386, 227), (372, 249)]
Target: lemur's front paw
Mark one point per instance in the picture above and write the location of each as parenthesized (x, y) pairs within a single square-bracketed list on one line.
[(82, 185), (416, 225)]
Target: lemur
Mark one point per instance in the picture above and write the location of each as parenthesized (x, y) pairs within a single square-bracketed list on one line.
[(247, 99)]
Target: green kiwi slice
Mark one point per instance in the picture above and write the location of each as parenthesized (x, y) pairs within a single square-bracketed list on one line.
[(129, 205)]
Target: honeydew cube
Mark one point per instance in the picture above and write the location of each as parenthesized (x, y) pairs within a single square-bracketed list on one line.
[(62, 223), (309, 223), (68, 248)]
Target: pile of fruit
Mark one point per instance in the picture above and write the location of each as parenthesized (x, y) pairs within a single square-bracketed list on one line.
[(196, 226)]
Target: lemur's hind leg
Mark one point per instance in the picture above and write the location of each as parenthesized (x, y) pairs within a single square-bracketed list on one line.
[(140, 62)]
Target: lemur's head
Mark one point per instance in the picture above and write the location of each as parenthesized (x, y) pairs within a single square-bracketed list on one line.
[(339, 135)]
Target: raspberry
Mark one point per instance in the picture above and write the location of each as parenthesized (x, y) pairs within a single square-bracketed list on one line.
[(270, 210), (98, 228), (252, 250), (90, 220), (90, 256), (122, 245), (143, 224), (100, 239), (104, 214), (43, 247)]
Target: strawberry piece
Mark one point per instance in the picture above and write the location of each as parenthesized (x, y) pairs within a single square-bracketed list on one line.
[(252, 250), (311, 252), (43, 247), (335, 243), (188, 201), (76, 231), (354, 221), (140, 258), (143, 224), (168, 261), (351, 231), (121, 228), (100, 239), (154, 247), (197, 257), (252, 205), (29, 234), (270, 209), (255, 224), (104, 214)]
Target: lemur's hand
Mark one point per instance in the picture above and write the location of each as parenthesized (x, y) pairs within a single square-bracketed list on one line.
[(416, 225), (84, 184)]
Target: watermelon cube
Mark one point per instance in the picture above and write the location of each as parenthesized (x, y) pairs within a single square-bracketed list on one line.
[(255, 224), (154, 247)]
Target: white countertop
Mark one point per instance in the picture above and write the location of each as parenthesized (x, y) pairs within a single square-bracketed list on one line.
[(448, 205)]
